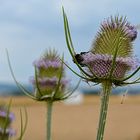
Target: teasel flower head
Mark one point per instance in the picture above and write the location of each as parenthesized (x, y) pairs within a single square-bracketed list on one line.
[(108, 62), (48, 70), (9, 132), (6, 119), (50, 82), (116, 22), (111, 55)]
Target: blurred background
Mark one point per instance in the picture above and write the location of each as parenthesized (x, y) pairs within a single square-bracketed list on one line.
[(29, 27)]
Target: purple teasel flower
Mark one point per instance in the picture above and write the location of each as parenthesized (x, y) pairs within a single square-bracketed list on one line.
[(100, 64), (11, 115), (130, 30), (45, 63), (110, 56), (49, 71), (108, 61), (49, 82), (9, 131)]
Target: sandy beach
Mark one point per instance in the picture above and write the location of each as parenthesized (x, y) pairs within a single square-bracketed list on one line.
[(79, 122)]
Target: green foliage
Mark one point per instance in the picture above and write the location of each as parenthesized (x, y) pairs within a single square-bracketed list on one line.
[(112, 36)]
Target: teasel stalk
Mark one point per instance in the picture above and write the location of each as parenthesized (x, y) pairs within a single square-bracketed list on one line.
[(109, 61), (49, 82)]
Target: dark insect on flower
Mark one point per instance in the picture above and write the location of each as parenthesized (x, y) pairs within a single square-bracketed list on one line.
[(99, 60), (79, 58)]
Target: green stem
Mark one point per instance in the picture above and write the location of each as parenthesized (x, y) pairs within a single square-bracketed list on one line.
[(103, 111), (49, 117)]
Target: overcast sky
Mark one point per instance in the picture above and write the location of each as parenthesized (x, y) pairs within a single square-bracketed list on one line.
[(28, 27)]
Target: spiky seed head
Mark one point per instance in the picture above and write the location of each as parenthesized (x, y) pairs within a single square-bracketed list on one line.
[(115, 34)]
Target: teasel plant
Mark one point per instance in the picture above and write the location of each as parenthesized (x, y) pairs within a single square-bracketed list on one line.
[(110, 61), (6, 119), (49, 82)]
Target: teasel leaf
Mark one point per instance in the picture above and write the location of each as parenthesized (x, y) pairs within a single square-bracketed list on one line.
[(70, 44), (131, 75), (37, 83), (68, 30), (67, 95), (138, 79), (114, 58), (113, 33), (59, 80), (23, 127), (130, 83), (73, 70), (20, 86)]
